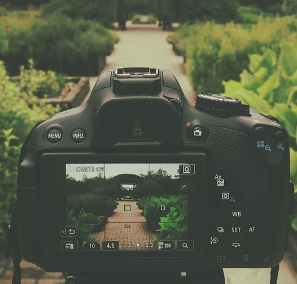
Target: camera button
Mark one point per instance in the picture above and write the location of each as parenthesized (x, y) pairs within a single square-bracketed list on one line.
[(197, 131), (69, 246), (54, 135), (78, 135)]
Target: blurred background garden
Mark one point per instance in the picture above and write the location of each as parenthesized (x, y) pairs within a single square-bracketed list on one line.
[(245, 49)]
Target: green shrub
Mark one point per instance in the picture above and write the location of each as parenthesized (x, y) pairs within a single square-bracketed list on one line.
[(221, 11), (216, 53), (137, 19), (270, 86), (71, 47), (60, 44), (82, 221), (19, 112), (75, 9), (152, 205), (147, 188), (40, 83), (175, 225), (91, 203)]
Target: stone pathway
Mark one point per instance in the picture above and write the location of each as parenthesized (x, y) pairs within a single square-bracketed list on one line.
[(127, 226), (146, 46)]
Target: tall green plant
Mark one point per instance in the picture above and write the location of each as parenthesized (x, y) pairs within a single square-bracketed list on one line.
[(19, 112), (270, 86)]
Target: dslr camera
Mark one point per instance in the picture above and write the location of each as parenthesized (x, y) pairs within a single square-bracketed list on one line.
[(139, 180)]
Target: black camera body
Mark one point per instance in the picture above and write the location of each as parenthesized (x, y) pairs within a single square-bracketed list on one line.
[(137, 179)]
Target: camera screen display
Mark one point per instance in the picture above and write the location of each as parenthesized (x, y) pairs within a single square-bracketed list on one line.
[(128, 207)]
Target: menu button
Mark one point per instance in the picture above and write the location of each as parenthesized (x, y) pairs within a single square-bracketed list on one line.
[(54, 135)]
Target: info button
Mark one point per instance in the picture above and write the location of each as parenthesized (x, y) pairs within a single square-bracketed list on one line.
[(185, 245), (78, 135)]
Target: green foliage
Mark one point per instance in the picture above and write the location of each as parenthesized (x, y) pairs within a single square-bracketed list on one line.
[(75, 9), (174, 226), (152, 205), (137, 19), (83, 222), (221, 11), (270, 86), (70, 46), (19, 112), (40, 83), (147, 188), (91, 203), (267, 5), (289, 7), (216, 53), (58, 43), (3, 41)]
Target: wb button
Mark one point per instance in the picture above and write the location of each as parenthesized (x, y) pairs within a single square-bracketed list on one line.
[(188, 169)]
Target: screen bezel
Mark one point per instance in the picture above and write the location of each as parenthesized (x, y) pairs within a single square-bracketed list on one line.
[(50, 180)]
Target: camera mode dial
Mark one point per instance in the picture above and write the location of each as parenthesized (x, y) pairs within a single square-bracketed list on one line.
[(221, 106)]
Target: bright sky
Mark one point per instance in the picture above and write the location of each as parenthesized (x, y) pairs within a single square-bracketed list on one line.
[(77, 171)]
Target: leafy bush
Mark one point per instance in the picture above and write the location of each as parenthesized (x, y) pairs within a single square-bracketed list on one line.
[(137, 19), (19, 112), (221, 11), (152, 205), (216, 53), (91, 203), (83, 222), (68, 46), (147, 188), (40, 83), (175, 225), (75, 9), (60, 44), (270, 86)]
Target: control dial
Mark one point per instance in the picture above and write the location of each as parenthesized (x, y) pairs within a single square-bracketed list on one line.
[(221, 106)]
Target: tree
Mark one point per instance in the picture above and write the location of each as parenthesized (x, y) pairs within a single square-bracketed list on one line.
[(263, 4), (23, 3), (218, 10), (74, 9), (289, 7)]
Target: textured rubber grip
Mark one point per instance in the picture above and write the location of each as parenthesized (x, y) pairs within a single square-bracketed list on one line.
[(232, 150)]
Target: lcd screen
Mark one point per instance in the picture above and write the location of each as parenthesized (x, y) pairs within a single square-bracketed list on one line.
[(127, 207)]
